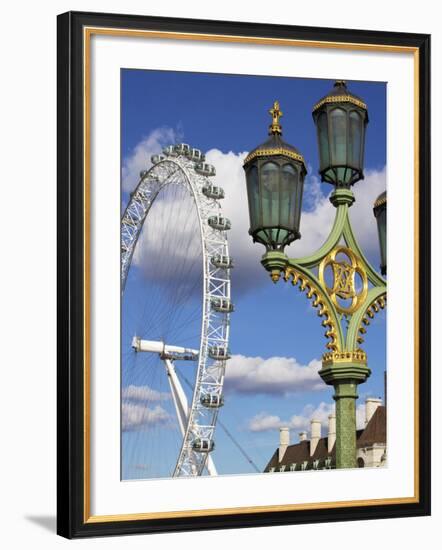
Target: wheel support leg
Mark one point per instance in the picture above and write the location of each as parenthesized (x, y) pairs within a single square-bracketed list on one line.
[(182, 407)]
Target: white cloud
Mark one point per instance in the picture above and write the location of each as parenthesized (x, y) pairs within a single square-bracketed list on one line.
[(272, 376), (137, 416), (264, 422), (170, 237), (142, 393), (321, 413), (361, 213), (248, 272), (316, 220), (139, 159)]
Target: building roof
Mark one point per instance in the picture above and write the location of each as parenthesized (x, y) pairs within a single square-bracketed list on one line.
[(299, 453), (374, 432)]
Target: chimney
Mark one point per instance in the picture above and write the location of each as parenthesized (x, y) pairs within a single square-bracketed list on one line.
[(284, 442), (302, 436), (331, 432), (371, 404), (315, 435)]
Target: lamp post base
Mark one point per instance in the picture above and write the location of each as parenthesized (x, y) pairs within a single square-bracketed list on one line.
[(345, 371), (345, 397)]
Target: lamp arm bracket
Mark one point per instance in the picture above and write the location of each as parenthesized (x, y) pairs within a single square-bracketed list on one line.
[(351, 241), (375, 301), (308, 283), (332, 240)]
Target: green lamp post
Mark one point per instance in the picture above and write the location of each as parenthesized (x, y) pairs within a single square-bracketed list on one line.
[(275, 202)]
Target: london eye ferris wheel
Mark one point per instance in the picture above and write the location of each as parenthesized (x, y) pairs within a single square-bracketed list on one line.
[(176, 308)]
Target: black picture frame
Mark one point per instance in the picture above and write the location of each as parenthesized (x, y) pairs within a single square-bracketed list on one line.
[(73, 521)]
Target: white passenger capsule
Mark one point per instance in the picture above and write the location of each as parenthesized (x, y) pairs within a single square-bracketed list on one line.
[(202, 445), (170, 151), (222, 305), (219, 352), (155, 159), (219, 222), (213, 191), (205, 169), (182, 149), (221, 261), (196, 155), (212, 400)]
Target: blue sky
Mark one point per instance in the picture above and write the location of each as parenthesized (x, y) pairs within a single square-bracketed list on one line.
[(276, 338)]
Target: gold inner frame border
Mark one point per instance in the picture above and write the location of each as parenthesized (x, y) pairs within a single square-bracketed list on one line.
[(88, 32)]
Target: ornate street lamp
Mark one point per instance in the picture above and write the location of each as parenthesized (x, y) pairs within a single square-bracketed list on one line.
[(380, 213), (341, 118), (275, 173), (344, 306)]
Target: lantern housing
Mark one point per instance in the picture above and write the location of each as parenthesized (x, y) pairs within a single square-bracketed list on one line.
[(341, 119), (380, 213), (275, 173)]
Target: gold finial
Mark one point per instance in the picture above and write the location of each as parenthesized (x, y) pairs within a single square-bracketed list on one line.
[(340, 83), (275, 275), (275, 127)]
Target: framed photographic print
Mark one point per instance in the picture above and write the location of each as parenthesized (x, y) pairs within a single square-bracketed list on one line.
[(228, 345)]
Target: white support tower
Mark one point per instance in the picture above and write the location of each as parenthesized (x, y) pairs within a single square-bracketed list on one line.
[(168, 354)]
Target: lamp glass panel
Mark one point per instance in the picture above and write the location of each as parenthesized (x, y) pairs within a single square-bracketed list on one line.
[(338, 122), (382, 231), (323, 140), (270, 194), (298, 203), (342, 173), (287, 199), (355, 135), (253, 196)]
